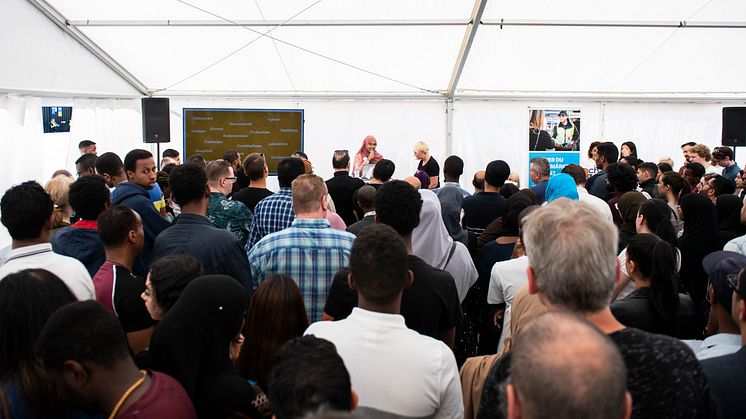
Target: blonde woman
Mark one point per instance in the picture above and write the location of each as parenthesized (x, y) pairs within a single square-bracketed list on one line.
[(538, 138), (427, 163), (58, 189)]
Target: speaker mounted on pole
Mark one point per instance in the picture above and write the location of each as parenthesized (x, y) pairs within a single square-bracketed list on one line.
[(156, 122), (734, 126)]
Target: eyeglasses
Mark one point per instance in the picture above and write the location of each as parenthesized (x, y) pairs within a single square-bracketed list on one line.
[(233, 178)]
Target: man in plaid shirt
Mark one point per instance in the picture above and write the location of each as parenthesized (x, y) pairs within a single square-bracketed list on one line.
[(309, 251), (275, 212)]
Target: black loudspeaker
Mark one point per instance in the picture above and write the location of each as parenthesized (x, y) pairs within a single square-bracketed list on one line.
[(734, 127), (156, 123)]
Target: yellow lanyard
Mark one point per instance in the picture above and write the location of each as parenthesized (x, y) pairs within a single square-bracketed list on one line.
[(127, 393)]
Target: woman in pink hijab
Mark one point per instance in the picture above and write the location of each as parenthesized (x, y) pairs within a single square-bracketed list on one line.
[(366, 155)]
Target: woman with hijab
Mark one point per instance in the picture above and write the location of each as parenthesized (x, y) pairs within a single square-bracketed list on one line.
[(192, 344), (367, 154), (432, 243), (629, 204), (729, 217), (700, 238), (561, 186)]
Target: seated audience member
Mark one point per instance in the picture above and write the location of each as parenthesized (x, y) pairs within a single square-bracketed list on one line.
[(561, 185), (564, 367), (515, 179), (655, 305), (693, 173), (663, 376), (85, 165), (193, 230), (413, 181), (376, 344), (539, 173), (309, 377), (140, 169), (87, 147), (224, 213), (430, 306), (714, 186), (621, 179), (432, 243), (366, 196), (382, 172), (342, 186), (276, 315), (647, 177), (197, 159), (482, 208), (275, 213), (726, 373), (723, 334), (478, 181), (27, 299), (255, 168), (451, 200), (85, 353), (726, 159), (58, 189), (89, 197), (117, 289), (508, 189), (578, 174), (606, 155), (423, 179), (701, 154), (297, 250), (173, 154), (628, 208), (168, 277), (110, 166), (453, 168), (191, 344), (699, 239), (27, 214), (729, 208)]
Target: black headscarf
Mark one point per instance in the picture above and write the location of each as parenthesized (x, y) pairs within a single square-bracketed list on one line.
[(516, 203), (729, 215), (700, 238), (192, 344)]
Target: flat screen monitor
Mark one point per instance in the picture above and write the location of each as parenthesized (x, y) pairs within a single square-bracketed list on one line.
[(56, 118)]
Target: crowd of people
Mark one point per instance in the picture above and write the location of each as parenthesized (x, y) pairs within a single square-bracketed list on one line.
[(138, 288)]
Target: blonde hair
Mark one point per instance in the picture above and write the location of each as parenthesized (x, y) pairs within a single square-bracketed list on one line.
[(307, 191), (702, 151), (515, 178), (58, 189), (421, 146)]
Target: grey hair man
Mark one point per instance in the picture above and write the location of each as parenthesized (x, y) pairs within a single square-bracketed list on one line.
[(572, 266), (539, 171), (556, 377)]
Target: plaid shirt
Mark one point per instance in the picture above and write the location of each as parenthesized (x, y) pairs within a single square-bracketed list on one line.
[(310, 252), (271, 214)]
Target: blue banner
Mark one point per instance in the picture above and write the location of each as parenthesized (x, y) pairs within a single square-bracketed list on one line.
[(557, 160)]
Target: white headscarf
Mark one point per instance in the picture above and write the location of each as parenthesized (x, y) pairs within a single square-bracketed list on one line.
[(432, 243)]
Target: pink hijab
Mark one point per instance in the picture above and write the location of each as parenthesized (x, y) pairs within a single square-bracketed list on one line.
[(363, 152)]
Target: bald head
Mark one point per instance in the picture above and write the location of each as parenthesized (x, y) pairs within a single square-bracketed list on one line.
[(563, 367), (416, 183), (366, 198), (478, 181)]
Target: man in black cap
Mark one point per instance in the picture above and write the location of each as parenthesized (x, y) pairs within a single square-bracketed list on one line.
[(483, 208), (566, 134)]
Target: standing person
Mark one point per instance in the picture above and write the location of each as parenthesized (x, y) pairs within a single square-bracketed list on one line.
[(685, 152), (671, 188), (309, 251), (190, 233), (578, 174), (110, 166), (590, 164), (606, 155), (628, 149), (451, 196), (192, 343), (255, 168), (539, 172), (172, 154), (565, 133), (726, 159), (342, 186), (538, 138), (117, 289), (85, 165), (275, 213), (453, 168), (376, 344), (223, 212), (27, 214), (427, 164), (141, 172), (647, 177), (87, 147), (58, 189), (89, 197), (482, 208), (367, 154), (168, 277), (701, 154), (86, 355)]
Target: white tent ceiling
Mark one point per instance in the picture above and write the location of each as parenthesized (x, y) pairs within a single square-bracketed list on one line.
[(418, 48)]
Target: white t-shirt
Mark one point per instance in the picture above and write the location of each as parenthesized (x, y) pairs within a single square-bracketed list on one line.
[(506, 279), (41, 256), (714, 169), (596, 202), (395, 370)]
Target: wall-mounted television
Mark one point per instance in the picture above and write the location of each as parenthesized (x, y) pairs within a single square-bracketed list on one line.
[(56, 118)]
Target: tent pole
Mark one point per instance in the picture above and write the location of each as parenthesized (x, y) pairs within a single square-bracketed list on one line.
[(449, 127), (463, 54)]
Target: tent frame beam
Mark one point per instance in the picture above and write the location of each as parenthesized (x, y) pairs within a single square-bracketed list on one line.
[(463, 54), (55, 16)]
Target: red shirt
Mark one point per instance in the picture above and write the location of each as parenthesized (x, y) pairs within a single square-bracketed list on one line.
[(165, 398)]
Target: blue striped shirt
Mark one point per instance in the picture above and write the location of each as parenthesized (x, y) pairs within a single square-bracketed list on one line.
[(310, 252), (271, 214)]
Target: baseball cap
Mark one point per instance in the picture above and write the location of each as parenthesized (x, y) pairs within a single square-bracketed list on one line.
[(719, 266)]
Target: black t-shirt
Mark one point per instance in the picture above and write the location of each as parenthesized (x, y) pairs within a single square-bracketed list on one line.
[(432, 168), (429, 306), (119, 291), (482, 209), (341, 187), (251, 196), (540, 141)]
